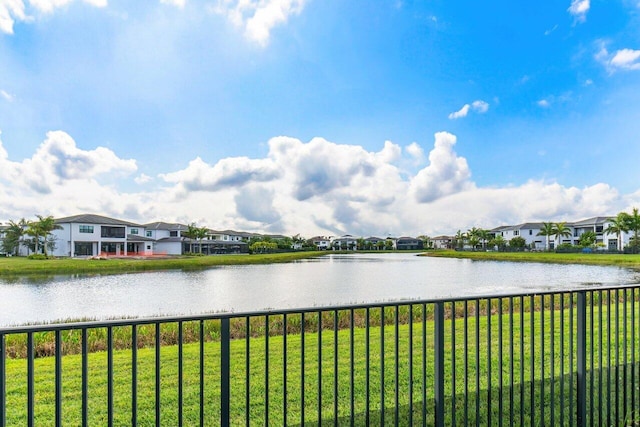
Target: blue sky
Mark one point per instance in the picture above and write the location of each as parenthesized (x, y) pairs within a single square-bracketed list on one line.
[(320, 117)]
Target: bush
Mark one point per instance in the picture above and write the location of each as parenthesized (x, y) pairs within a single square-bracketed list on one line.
[(37, 256)]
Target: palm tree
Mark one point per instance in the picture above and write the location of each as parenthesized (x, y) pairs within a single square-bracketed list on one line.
[(13, 236), (473, 237), (200, 233), (633, 224), (560, 230), (459, 239), (45, 226), (617, 226), (498, 241), (546, 230), (191, 234), (484, 236)]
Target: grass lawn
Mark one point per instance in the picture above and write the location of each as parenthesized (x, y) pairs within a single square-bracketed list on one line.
[(620, 260), (478, 374), (13, 266)]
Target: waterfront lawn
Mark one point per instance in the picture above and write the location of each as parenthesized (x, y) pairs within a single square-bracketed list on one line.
[(15, 266), (482, 362), (594, 258)]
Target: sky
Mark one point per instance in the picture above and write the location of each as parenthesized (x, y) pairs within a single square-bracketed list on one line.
[(320, 117)]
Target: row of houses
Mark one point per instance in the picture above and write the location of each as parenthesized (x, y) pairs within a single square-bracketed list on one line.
[(349, 242), (88, 235), (530, 232)]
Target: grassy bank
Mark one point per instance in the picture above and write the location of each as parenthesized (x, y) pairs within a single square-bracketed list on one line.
[(14, 266), (473, 352), (620, 260)]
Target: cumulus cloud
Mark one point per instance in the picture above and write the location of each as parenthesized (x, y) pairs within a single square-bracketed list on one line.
[(478, 106), (230, 172), (258, 17), (18, 10), (58, 160), (446, 173), (621, 60), (314, 187), (579, 9)]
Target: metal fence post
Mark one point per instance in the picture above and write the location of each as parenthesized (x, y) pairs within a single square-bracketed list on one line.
[(225, 367), (581, 395), (439, 362)]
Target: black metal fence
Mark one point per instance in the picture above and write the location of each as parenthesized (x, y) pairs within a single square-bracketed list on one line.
[(557, 358)]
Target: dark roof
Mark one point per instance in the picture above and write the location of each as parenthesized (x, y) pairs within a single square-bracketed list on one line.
[(444, 237), (590, 221), (530, 225), (94, 219), (165, 226), (139, 238)]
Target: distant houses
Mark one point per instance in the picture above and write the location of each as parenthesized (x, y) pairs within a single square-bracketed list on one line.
[(88, 235)]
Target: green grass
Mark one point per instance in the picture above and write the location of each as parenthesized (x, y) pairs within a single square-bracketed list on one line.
[(620, 260), (537, 334), (17, 266)]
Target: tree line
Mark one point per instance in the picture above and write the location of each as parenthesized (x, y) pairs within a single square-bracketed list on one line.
[(478, 238), (35, 235)]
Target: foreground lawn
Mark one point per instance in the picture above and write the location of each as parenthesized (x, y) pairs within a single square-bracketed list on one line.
[(22, 265), (620, 260), (520, 364)]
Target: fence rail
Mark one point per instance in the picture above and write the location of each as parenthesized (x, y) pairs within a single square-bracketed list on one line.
[(555, 358)]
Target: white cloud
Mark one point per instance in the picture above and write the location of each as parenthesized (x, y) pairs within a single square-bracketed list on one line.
[(544, 103), (178, 3), (415, 151), (579, 9), (460, 113), (623, 59), (18, 10), (478, 106), (10, 11), (258, 17), (551, 30), (446, 173), (6, 95), (142, 179), (315, 187)]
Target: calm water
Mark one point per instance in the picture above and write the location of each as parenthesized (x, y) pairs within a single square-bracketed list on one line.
[(330, 280)]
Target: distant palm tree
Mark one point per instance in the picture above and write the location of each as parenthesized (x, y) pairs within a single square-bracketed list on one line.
[(617, 226), (46, 225), (200, 233), (13, 236), (459, 239), (498, 241), (560, 230), (546, 230), (633, 222)]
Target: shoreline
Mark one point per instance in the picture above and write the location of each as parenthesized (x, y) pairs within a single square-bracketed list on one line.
[(631, 261), (13, 267)]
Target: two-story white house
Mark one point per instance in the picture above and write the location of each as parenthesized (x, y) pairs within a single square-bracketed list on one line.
[(528, 231), (92, 235), (167, 237)]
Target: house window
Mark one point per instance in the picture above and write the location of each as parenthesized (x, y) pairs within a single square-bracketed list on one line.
[(86, 229), (134, 231), (530, 232), (516, 232), (148, 247), (599, 228), (173, 234), (113, 232), (149, 233)]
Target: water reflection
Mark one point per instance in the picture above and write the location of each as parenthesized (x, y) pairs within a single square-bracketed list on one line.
[(330, 280)]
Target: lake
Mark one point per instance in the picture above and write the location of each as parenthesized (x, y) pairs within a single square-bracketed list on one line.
[(328, 280)]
